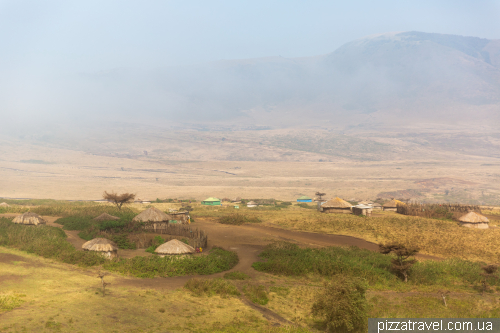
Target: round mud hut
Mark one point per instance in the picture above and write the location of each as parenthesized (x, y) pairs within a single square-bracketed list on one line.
[(336, 205), (106, 217), (474, 220), (174, 247), (392, 205), (151, 214), (104, 246), (4, 204), (29, 218), (251, 204)]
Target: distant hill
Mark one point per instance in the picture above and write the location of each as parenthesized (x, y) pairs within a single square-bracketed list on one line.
[(389, 79)]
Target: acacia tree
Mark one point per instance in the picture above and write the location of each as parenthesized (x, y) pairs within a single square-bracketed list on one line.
[(401, 264), (118, 199), (319, 194)]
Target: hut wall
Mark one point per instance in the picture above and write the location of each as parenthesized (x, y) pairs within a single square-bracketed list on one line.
[(362, 211), (337, 210), (481, 225)]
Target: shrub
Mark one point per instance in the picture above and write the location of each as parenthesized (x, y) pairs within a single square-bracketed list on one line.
[(238, 219), (218, 260), (157, 241), (75, 222), (256, 293), (304, 205), (122, 241), (45, 241), (343, 305), (236, 275), (199, 287)]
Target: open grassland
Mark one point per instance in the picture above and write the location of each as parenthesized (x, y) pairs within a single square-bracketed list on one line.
[(50, 242), (443, 238), (53, 297), (249, 167)]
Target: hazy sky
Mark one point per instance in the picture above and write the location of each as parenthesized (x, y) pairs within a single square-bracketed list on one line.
[(72, 36), (45, 44)]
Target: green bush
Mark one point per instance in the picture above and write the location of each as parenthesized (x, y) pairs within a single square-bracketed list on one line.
[(288, 259), (304, 205), (256, 293), (157, 241), (45, 241), (236, 275), (122, 241), (238, 219), (199, 287), (342, 304), (218, 260), (76, 222)]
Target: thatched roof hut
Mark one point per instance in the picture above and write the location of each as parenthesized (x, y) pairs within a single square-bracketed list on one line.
[(106, 217), (103, 245), (474, 220), (336, 205), (151, 214), (4, 204), (174, 247), (29, 218), (392, 205), (251, 204)]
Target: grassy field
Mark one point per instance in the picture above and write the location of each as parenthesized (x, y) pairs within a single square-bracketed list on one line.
[(49, 286), (443, 238)]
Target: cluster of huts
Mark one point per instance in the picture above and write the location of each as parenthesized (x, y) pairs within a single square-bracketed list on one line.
[(338, 205)]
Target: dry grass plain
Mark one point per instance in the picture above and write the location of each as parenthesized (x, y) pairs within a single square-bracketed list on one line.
[(252, 164)]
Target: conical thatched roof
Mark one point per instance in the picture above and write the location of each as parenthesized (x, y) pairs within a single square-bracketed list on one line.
[(29, 218), (473, 217), (151, 214), (174, 247), (336, 203), (4, 204), (100, 245), (393, 204), (106, 217)]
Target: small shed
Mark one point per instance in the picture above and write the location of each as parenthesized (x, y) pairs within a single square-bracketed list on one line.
[(151, 214), (102, 245), (106, 217), (336, 205), (474, 220), (174, 247), (365, 210), (304, 198), (29, 218), (392, 205), (211, 202), (251, 204)]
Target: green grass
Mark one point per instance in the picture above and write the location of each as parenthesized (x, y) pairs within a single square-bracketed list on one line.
[(45, 241), (256, 293), (210, 287), (218, 260), (238, 219), (289, 260), (50, 242), (11, 301)]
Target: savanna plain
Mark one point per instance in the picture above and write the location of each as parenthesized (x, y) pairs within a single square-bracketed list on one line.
[(278, 267)]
